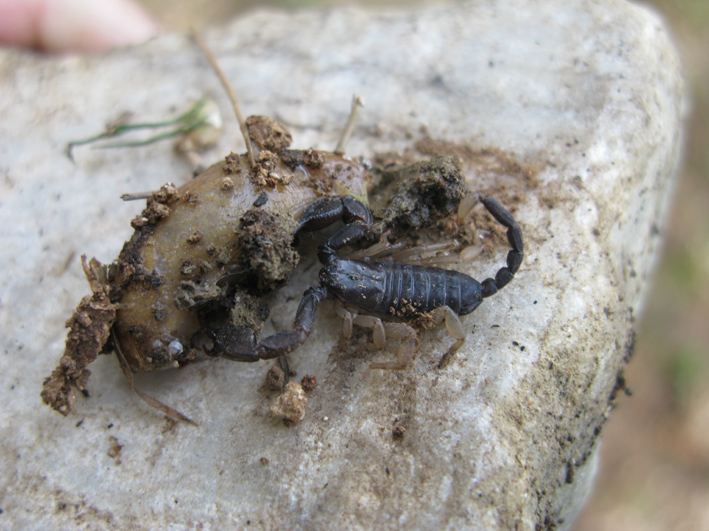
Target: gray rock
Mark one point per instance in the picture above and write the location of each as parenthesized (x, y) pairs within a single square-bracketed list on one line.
[(569, 111)]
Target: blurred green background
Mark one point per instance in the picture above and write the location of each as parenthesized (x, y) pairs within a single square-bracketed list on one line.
[(655, 451)]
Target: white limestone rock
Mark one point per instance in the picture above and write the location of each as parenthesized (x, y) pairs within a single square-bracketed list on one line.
[(568, 111)]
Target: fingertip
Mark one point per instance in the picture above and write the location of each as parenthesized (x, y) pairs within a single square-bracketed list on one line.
[(90, 25)]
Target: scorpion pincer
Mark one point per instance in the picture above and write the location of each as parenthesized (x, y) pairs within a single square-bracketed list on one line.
[(376, 289)]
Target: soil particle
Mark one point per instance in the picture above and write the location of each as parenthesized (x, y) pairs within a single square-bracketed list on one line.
[(151, 215), (261, 200), (248, 312), (290, 405), (190, 198), (398, 432), (487, 159), (159, 311), (232, 164), (115, 450), (268, 134), (167, 194), (313, 159), (192, 293), (227, 184), (187, 268), (310, 158), (275, 378), (263, 173), (195, 237), (157, 206), (309, 382)]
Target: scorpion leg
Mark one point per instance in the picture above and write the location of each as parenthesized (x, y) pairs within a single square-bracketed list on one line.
[(283, 343), (379, 336), (365, 321), (380, 249), (407, 349), (453, 324), (454, 327), (432, 254), (382, 330), (347, 318)]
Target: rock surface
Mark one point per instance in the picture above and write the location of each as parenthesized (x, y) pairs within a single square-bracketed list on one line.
[(567, 112)]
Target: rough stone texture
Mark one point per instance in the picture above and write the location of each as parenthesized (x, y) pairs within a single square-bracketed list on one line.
[(567, 111)]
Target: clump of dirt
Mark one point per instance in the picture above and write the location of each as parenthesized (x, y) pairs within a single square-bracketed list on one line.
[(263, 174), (487, 159), (275, 378), (157, 207), (419, 194), (232, 164), (500, 174), (267, 254), (271, 138), (268, 134), (310, 158), (115, 450), (192, 293), (90, 326), (248, 312), (290, 405), (309, 382)]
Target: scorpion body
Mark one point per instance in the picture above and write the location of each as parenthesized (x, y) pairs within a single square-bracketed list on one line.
[(400, 290), (386, 289)]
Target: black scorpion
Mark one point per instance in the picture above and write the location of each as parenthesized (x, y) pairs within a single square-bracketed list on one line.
[(385, 289)]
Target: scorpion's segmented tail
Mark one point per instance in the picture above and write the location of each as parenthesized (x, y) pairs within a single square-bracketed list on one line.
[(514, 236)]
